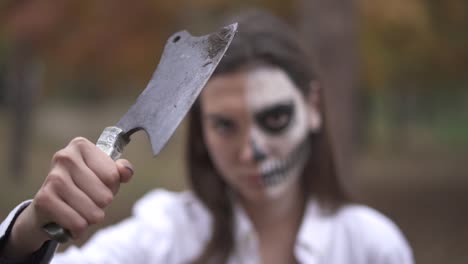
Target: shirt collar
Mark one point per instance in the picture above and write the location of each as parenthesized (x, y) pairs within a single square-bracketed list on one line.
[(313, 238), (242, 224)]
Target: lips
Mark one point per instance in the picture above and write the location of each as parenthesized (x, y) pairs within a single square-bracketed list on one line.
[(274, 172), (256, 180)]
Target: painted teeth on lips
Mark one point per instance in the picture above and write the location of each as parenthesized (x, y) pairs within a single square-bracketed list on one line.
[(274, 173)]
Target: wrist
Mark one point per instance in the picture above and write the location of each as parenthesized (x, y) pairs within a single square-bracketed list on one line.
[(25, 237)]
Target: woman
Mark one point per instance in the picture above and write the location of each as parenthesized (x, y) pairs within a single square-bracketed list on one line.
[(264, 184)]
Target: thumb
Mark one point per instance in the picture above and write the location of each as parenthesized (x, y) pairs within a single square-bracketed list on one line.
[(125, 169)]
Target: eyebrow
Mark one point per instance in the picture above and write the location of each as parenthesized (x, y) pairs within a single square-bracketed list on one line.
[(274, 106), (215, 116)]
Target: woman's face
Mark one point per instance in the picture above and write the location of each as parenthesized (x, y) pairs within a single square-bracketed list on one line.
[(256, 125)]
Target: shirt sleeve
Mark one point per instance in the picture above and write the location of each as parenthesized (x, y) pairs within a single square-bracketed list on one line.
[(125, 242), (42, 256), (389, 246), (121, 243), (146, 237), (398, 254), (160, 230), (380, 239)]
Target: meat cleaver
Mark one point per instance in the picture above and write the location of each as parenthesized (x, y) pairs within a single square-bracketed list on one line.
[(186, 65)]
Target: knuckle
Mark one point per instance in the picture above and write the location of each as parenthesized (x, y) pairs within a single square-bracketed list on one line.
[(111, 179), (96, 216), (62, 156), (79, 141), (78, 226), (105, 200), (55, 180), (42, 199), (106, 179)]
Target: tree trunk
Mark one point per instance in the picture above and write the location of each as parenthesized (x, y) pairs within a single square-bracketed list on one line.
[(23, 81), (329, 27)]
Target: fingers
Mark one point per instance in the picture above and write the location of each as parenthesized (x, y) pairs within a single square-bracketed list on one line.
[(82, 182), (48, 204), (99, 163), (81, 202)]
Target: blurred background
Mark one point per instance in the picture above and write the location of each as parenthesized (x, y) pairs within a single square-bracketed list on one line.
[(395, 74)]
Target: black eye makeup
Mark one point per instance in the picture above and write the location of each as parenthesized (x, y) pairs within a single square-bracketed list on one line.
[(276, 118)]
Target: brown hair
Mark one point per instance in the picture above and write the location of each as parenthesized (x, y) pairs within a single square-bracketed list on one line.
[(261, 38)]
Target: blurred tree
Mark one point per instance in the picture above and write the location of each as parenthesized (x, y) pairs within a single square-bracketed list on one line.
[(23, 74), (413, 52), (23, 82), (413, 40), (105, 48), (98, 40), (84, 44), (399, 39), (72, 33), (330, 29)]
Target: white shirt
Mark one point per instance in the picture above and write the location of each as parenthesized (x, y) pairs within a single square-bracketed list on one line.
[(168, 227)]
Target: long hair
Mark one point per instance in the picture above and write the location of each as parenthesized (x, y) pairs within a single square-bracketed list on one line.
[(261, 38)]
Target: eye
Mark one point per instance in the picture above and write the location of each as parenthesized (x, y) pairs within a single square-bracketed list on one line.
[(276, 119), (222, 125)]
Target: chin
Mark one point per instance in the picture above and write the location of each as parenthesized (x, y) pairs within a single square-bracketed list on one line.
[(273, 191), (287, 184)]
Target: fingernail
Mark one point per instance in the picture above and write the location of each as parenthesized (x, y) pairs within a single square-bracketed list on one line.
[(129, 168)]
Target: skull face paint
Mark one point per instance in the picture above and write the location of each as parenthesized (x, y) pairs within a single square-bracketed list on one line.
[(255, 127), (280, 126)]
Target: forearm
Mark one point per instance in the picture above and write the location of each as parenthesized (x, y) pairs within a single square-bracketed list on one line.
[(20, 243)]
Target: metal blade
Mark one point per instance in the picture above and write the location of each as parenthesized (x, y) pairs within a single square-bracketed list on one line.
[(185, 66)]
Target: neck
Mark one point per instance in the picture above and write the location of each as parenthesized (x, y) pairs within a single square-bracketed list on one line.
[(269, 213)]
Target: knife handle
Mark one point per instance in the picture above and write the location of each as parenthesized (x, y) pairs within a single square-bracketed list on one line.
[(112, 142)]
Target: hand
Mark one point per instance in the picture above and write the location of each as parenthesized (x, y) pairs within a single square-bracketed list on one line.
[(81, 183)]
